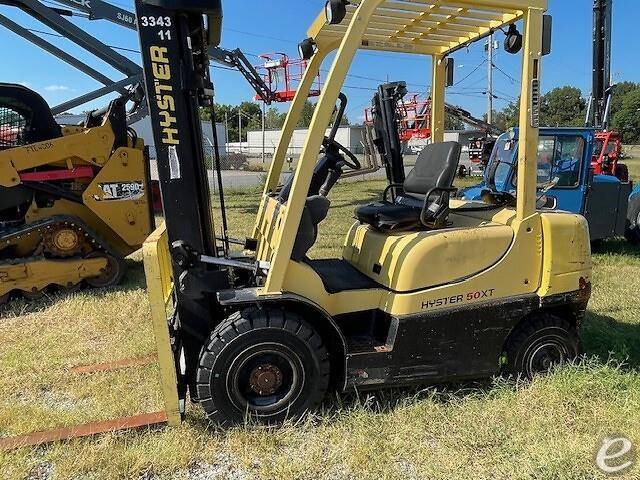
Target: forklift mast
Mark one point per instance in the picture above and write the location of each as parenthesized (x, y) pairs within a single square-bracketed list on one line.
[(175, 37), (601, 94), (385, 122)]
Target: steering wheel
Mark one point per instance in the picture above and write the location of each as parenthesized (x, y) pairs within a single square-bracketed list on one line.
[(331, 144)]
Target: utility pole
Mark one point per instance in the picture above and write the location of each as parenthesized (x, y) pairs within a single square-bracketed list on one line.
[(490, 80), (226, 131), (264, 135), (240, 129)]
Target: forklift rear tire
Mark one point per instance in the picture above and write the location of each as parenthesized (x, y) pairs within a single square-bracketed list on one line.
[(267, 365), (542, 343)]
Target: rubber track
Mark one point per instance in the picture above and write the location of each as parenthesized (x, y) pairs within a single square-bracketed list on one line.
[(10, 236)]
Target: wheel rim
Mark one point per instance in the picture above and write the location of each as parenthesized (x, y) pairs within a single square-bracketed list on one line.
[(265, 379), (546, 354)]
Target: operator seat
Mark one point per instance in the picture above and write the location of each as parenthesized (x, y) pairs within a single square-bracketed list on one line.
[(40, 124), (422, 202), (315, 209)]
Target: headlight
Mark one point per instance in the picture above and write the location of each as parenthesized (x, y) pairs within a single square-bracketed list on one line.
[(513, 42), (335, 11)]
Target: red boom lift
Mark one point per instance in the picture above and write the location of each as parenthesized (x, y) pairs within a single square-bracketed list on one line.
[(608, 144), (282, 75)]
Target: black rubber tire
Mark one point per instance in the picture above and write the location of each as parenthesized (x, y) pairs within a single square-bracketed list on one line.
[(622, 172), (525, 345), (254, 332), (632, 233)]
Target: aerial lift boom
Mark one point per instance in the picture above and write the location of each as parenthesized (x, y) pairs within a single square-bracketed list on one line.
[(600, 101), (54, 19), (608, 143)]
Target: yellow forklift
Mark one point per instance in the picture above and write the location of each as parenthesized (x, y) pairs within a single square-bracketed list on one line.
[(429, 288), (74, 200)]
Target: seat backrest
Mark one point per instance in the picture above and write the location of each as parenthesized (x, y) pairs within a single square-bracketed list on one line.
[(315, 211), (436, 167)]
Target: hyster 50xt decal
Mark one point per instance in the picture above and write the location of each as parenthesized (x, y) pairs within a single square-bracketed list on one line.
[(457, 299), (164, 95)]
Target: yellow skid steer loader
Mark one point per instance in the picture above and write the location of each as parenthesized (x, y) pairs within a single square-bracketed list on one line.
[(74, 201)]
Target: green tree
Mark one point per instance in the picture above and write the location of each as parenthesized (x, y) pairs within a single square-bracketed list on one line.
[(563, 107), (627, 118), (620, 91), (306, 115), (274, 119), (506, 118), (251, 118)]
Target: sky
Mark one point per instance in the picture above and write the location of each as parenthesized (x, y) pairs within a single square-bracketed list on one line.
[(259, 26)]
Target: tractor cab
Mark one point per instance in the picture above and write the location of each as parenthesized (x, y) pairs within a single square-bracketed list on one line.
[(566, 179)]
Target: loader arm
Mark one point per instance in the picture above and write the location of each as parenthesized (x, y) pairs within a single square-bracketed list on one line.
[(92, 148)]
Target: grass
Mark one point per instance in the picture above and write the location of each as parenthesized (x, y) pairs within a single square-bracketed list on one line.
[(547, 429)]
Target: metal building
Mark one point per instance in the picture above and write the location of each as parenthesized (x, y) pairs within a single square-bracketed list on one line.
[(349, 136)]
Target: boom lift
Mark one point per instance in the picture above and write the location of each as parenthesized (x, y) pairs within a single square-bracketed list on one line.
[(608, 143), (54, 19), (73, 200), (428, 289)]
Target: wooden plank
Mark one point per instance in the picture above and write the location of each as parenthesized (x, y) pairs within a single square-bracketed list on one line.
[(117, 365), (86, 430)]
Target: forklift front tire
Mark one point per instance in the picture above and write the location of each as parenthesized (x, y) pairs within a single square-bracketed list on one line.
[(540, 344), (266, 365)]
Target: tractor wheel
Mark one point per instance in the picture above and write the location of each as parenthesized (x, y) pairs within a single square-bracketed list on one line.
[(267, 365), (4, 298), (632, 233), (622, 172), (540, 344), (109, 276)]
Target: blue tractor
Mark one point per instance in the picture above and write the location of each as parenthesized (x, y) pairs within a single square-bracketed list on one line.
[(567, 182)]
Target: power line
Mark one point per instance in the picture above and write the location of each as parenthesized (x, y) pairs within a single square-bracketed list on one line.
[(471, 73), (115, 47), (513, 80)]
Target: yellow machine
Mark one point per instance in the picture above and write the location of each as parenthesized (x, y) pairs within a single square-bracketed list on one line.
[(74, 201), (428, 289)]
